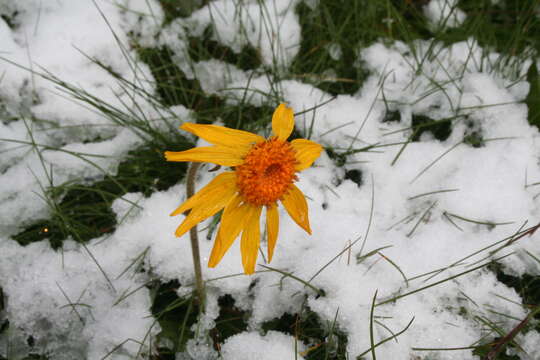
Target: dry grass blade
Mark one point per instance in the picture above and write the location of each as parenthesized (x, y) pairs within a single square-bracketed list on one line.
[(501, 343)]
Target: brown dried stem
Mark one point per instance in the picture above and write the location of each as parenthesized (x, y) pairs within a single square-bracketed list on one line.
[(199, 283)]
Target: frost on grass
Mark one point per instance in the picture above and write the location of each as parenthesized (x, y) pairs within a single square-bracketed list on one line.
[(426, 202)]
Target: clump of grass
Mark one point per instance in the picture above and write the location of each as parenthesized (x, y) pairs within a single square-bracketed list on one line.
[(175, 315), (332, 33), (172, 85), (355, 176), (527, 286), (473, 135), (441, 130), (10, 18), (327, 25), (174, 88), (205, 49), (324, 339), (510, 26), (230, 321), (180, 9), (483, 350), (533, 98), (83, 212)]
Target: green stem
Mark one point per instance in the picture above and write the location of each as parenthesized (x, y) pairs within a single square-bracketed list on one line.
[(199, 283)]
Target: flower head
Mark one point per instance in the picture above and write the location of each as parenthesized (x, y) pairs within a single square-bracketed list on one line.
[(264, 171)]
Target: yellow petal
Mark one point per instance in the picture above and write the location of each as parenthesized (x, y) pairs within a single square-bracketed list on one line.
[(212, 200), (282, 122), (224, 183), (232, 222), (251, 237), (272, 228), (220, 135), (307, 152), (296, 206), (220, 155), (198, 214)]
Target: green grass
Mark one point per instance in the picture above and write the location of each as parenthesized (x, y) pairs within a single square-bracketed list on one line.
[(206, 49), (82, 210), (180, 9), (533, 98), (174, 88), (510, 27), (175, 316), (324, 339)]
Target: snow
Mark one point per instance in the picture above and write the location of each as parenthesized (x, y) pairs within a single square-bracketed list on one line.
[(43, 283), (72, 301), (444, 13), (271, 27), (62, 126), (334, 50), (273, 345), (530, 344)]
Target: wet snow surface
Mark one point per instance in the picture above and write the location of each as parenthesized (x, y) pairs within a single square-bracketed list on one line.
[(384, 230)]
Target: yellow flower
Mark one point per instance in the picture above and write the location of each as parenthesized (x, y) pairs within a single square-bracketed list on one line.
[(264, 172)]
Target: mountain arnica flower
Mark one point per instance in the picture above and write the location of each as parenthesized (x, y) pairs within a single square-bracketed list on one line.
[(263, 172)]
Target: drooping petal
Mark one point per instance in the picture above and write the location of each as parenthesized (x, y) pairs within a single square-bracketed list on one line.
[(272, 228), (232, 222), (220, 135), (282, 122), (251, 237), (296, 206), (213, 199), (220, 155), (307, 152), (223, 183), (200, 213)]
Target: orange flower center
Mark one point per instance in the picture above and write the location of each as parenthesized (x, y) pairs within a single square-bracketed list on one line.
[(267, 172)]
